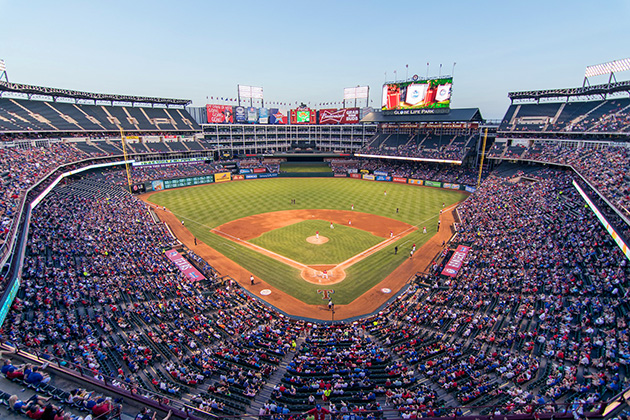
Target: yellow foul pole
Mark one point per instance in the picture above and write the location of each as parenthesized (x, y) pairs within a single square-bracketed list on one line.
[(124, 147), (483, 154)]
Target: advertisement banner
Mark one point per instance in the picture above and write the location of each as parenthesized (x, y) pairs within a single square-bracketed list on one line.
[(137, 188), (268, 175), (184, 266), (157, 185), (277, 116), (352, 170), (245, 171), (339, 116), (369, 177), (337, 175), (433, 184), (415, 181), (450, 186), (251, 176), (470, 189), (240, 114), (401, 180), (218, 114), (252, 115), (356, 176), (455, 263), (238, 177), (383, 178), (381, 173), (260, 170), (263, 116), (222, 176)]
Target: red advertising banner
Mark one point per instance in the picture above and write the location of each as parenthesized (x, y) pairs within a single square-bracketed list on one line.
[(358, 176), (401, 180), (455, 263), (238, 177), (339, 116), (260, 170), (220, 114), (184, 266)]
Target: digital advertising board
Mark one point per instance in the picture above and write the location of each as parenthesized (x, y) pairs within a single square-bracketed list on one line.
[(339, 116), (277, 116), (252, 115), (263, 116), (240, 114), (218, 114), (430, 96)]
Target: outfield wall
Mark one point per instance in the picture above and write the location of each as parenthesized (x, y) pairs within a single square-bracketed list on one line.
[(166, 184)]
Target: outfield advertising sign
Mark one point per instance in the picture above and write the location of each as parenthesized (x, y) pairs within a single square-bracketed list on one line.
[(356, 176), (399, 179), (251, 176), (450, 186), (238, 177), (223, 177), (245, 171), (433, 184), (415, 181), (157, 185), (369, 177), (267, 175), (383, 178), (187, 182), (381, 173)]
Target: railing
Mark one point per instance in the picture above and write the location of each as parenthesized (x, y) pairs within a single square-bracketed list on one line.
[(138, 394)]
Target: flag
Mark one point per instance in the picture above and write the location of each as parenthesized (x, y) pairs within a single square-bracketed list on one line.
[(3, 67), (443, 92)]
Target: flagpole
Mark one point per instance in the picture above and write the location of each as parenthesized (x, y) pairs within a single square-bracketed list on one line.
[(406, 72)]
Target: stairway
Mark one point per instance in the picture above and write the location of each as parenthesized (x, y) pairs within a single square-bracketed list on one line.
[(265, 393)]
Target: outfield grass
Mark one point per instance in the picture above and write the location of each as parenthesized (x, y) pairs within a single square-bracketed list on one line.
[(343, 243), (305, 167), (208, 206)]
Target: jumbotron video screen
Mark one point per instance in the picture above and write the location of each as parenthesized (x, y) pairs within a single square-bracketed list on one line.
[(418, 94)]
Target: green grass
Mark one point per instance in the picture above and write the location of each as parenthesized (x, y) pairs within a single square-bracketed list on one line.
[(343, 242), (305, 167), (208, 206)]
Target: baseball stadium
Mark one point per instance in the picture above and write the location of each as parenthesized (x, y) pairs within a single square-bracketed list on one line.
[(253, 258)]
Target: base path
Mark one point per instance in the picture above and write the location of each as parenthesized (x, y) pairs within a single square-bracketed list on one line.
[(368, 302)]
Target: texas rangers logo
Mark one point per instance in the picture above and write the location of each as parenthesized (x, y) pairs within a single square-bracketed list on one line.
[(326, 293)]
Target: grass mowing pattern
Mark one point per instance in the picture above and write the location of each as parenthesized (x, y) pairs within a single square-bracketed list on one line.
[(208, 206), (343, 242), (305, 167)]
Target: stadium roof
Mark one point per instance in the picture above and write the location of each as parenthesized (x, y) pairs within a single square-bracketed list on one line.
[(456, 115), (601, 90), (66, 93)]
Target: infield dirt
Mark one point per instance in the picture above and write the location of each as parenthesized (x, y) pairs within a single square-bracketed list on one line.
[(368, 302)]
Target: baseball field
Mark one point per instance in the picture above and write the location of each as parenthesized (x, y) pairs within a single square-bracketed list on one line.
[(269, 228)]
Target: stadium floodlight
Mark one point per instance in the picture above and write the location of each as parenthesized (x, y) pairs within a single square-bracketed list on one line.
[(608, 68)]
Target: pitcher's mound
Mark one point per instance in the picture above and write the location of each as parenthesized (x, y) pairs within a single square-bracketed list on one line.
[(314, 240)]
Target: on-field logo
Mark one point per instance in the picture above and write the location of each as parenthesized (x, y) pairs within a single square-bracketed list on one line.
[(326, 293)]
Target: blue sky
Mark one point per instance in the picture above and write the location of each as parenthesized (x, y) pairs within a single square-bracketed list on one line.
[(309, 51)]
